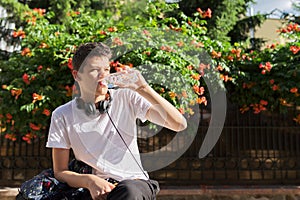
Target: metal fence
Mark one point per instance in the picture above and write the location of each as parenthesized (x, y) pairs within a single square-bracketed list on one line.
[(257, 149)]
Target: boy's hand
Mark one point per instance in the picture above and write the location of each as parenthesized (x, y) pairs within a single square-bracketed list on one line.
[(99, 187), (140, 80)]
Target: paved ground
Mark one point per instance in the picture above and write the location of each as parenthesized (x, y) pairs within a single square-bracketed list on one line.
[(232, 193), (209, 193)]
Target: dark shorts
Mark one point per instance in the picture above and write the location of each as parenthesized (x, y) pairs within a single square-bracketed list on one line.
[(134, 189)]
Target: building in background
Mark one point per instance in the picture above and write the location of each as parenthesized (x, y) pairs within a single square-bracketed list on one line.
[(279, 13), (268, 31)]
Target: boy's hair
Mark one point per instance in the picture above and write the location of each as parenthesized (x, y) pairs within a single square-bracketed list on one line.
[(89, 49)]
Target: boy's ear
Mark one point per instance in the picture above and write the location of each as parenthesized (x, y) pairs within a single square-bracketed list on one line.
[(75, 75)]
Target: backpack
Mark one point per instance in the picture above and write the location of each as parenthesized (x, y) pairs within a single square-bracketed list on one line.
[(45, 186)]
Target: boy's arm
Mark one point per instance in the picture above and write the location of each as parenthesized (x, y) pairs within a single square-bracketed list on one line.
[(162, 112), (96, 185)]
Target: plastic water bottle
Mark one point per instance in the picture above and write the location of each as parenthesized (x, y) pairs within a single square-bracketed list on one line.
[(121, 79)]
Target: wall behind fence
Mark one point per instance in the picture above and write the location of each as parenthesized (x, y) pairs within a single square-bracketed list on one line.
[(258, 149)]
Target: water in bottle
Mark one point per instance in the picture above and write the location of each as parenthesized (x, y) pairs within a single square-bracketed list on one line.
[(121, 79)]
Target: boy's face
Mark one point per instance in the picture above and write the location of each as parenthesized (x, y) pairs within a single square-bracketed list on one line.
[(89, 79)]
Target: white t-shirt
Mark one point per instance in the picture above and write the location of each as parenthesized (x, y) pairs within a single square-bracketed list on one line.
[(95, 141)]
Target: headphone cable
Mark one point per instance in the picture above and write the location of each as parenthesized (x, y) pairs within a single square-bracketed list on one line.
[(127, 146)]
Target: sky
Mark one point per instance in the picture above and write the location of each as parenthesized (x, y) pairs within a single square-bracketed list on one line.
[(281, 6), (267, 6)]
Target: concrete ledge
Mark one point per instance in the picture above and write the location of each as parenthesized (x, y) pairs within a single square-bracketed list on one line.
[(7, 193), (209, 193), (231, 193), (228, 190)]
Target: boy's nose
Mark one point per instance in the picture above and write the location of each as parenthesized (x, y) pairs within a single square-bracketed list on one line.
[(100, 75)]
